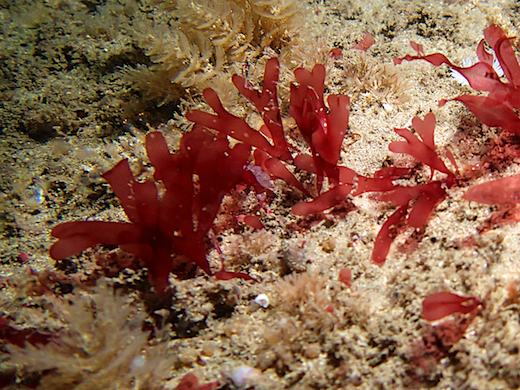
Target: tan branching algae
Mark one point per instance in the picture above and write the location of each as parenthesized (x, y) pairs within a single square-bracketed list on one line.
[(190, 42)]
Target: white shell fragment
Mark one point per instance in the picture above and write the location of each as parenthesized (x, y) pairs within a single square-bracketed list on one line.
[(262, 300), (244, 376)]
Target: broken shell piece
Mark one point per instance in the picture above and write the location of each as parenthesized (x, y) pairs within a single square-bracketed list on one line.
[(244, 376), (262, 300)]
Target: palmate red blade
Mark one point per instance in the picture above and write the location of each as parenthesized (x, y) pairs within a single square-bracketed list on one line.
[(442, 304), (501, 191), (504, 53), (74, 237), (492, 112)]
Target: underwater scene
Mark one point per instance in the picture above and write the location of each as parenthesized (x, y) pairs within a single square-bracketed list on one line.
[(259, 194)]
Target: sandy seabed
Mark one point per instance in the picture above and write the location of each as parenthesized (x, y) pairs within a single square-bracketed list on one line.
[(70, 113)]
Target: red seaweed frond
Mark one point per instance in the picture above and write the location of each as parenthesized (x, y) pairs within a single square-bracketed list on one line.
[(366, 41), (501, 191), (498, 108), (442, 304), (322, 126), (12, 334), (413, 203), (323, 129), (191, 382), (423, 148), (265, 101), (176, 223)]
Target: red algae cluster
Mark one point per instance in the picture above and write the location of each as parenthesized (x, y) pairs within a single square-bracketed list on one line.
[(170, 230)]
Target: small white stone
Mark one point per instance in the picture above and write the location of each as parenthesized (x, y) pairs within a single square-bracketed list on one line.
[(244, 376), (262, 300), (138, 362)]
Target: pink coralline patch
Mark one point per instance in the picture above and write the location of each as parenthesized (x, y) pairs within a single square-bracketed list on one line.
[(436, 342)]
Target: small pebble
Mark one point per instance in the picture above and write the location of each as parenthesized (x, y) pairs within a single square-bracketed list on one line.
[(262, 300), (244, 376)]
